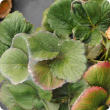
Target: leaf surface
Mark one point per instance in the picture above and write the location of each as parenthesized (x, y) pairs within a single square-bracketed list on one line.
[(93, 14), (42, 75), (50, 105), (14, 65), (13, 24), (94, 38), (93, 52), (6, 97), (90, 99), (23, 94), (16, 107), (82, 32), (47, 95), (69, 90), (60, 17), (63, 106), (104, 22), (99, 75), (70, 63), (19, 41), (80, 13), (43, 46)]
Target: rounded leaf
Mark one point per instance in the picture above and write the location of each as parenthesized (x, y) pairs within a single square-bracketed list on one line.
[(43, 94), (14, 65), (43, 46), (42, 75), (19, 41), (70, 63), (6, 97), (38, 104), (24, 95)]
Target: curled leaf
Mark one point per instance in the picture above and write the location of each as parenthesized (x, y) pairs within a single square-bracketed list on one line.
[(90, 99), (99, 75)]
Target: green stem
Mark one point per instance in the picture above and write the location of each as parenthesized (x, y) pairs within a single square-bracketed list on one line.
[(95, 61), (102, 57), (106, 55), (91, 23), (103, 34), (68, 97), (45, 105)]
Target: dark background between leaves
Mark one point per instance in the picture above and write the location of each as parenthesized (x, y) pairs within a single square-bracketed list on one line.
[(32, 11)]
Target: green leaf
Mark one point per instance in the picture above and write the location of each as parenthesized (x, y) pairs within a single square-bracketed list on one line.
[(99, 75), (80, 14), (63, 106), (108, 100), (45, 24), (60, 17), (90, 99), (93, 52), (38, 104), (69, 91), (107, 45), (16, 107), (13, 24), (47, 95), (1, 78), (70, 63), (99, 1), (43, 46), (24, 95), (50, 105), (39, 29), (76, 89), (19, 41), (94, 38), (3, 48), (103, 107), (14, 65), (93, 14), (82, 32), (6, 97), (104, 22), (42, 75), (89, 36)]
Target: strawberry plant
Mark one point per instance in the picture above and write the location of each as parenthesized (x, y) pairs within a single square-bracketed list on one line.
[(64, 64)]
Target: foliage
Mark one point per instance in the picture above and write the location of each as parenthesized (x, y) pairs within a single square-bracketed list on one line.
[(48, 69)]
